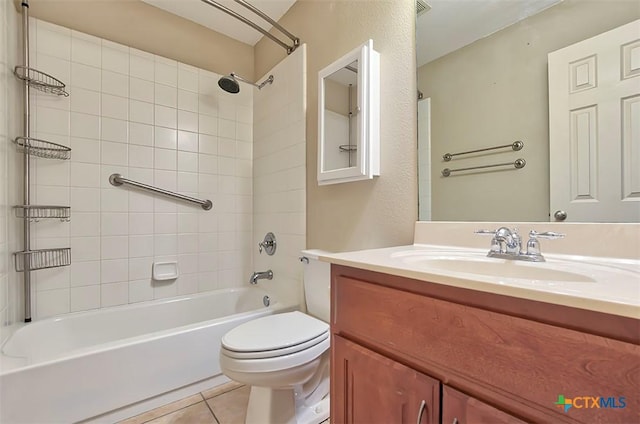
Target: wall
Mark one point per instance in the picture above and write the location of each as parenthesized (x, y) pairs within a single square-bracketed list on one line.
[(5, 79), (140, 25), (279, 175), (364, 214), (10, 126), (424, 159), (5, 75), (493, 92), (153, 120)]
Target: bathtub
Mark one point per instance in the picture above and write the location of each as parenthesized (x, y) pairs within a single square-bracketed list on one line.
[(113, 363)]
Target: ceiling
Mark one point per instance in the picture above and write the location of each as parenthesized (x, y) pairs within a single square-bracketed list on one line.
[(452, 24), (210, 17), (447, 26)]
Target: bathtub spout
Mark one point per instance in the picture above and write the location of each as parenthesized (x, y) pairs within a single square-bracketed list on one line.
[(260, 275)]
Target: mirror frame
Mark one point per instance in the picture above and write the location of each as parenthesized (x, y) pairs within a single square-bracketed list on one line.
[(368, 117)]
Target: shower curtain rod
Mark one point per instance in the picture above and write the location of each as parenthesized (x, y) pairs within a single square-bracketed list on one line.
[(288, 48)]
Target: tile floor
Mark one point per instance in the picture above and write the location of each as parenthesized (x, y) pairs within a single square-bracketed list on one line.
[(225, 404)]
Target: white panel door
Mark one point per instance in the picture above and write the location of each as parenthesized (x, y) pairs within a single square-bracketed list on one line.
[(594, 128)]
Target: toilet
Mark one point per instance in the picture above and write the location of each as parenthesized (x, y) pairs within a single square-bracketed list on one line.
[(285, 357)]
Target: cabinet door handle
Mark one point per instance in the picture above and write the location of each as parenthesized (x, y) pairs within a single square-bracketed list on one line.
[(423, 406), (455, 421)]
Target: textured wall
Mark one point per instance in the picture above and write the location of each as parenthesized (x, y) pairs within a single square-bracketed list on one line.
[(364, 214), (495, 91)]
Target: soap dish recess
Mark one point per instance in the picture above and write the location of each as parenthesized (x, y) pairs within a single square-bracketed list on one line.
[(163, 271)]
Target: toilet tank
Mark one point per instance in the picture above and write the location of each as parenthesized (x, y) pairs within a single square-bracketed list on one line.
[(317, 285)]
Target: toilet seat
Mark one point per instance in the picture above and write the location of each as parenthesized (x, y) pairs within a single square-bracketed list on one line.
[(275, 335), (275, 342), (281, 363), (276, 352)]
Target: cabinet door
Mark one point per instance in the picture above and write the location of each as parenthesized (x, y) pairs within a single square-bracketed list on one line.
[(458, 408), (369, 388)]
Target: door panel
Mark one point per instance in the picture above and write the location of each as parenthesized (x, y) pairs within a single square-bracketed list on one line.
[(458, 408), (376, 389), (594, 127)]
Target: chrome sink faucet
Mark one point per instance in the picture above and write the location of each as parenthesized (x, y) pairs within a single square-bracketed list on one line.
[(264, 275), (507, 244)]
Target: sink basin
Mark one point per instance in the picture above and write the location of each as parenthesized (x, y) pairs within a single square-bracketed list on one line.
[(477, 264), (504, 268)]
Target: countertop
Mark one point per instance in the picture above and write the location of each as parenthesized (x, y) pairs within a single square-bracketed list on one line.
[(609, 285)]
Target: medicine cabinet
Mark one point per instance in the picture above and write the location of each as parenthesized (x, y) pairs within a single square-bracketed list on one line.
[(349, 117)]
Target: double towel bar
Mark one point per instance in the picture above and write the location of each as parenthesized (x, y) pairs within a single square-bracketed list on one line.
[(515, 146), (118, 180), (518, 163)]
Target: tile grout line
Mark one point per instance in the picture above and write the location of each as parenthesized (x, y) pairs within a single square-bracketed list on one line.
[(171, 412), (211, 410)]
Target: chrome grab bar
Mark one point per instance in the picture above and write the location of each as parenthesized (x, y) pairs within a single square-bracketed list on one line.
[(518, 163), (118, 180), (515, 146)]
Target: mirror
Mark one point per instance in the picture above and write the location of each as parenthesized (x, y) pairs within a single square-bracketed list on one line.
[(348, 121), (482, 65)]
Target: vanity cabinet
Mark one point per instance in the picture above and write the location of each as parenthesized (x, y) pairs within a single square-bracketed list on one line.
[(494, 358)]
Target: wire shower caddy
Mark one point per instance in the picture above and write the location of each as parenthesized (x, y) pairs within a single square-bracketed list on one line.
[(29, 260), (40, 80)]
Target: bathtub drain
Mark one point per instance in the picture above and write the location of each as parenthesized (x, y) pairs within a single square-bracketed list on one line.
[(266, 301)]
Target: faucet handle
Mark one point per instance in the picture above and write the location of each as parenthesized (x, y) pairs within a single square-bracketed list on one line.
[(485, 232), (551, 235), (533, 245)]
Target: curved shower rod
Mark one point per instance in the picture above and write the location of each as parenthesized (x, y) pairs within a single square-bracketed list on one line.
[(288, 48)]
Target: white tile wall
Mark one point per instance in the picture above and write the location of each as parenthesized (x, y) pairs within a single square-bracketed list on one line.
[(163, 123), (4, 175), (10, 124), (279, 172)]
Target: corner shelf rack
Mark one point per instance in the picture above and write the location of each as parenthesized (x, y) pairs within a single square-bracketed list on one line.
[(42, 148), (40, 80), (38, 212), (29, 260)]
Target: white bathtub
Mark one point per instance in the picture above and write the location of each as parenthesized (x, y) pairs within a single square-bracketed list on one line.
[(113, 363)]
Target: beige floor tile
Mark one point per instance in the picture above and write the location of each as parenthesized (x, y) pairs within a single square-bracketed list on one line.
[(163, 410), (194, 414), (231, 407), (223, 388)]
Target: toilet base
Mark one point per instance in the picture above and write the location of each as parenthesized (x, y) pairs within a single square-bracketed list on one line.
[(270, 406)]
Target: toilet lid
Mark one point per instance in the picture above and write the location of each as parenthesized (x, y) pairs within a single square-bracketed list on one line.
[(273, 332)]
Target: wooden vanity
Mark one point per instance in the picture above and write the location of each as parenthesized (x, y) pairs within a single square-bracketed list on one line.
[(404, 348)]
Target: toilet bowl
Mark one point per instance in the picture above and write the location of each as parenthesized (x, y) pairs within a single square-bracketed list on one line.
[(285, 357)]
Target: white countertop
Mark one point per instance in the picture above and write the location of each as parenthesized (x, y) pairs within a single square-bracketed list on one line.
[(609, 285)]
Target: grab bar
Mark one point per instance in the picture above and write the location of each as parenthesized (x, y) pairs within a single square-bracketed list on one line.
[(118, 180), (516, 145), (518, 164)]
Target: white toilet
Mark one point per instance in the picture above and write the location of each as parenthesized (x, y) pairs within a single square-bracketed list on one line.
[(285, 357)]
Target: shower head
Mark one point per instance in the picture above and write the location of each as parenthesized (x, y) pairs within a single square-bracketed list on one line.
[(229, 83)]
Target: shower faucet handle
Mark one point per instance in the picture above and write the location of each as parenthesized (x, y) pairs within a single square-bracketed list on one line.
[(268, 244)]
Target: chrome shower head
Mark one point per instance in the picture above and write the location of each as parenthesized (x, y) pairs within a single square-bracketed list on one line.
[(230, 83)]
